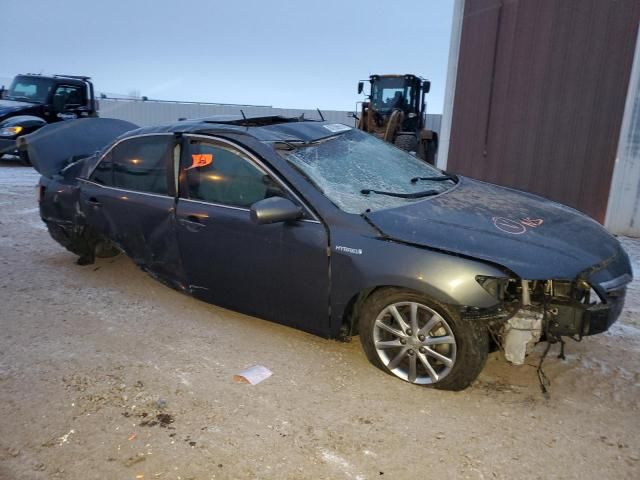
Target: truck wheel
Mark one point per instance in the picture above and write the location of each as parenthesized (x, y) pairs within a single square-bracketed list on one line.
[(82, 241), (412, 337), (406, 142), (24, 158)]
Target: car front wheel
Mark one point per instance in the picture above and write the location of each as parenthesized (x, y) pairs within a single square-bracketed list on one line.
[(418, 340)]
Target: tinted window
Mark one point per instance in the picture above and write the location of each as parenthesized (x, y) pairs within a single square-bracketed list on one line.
[(139, 164), (103, 173), (225, 176), (69, 95), (29, 89)]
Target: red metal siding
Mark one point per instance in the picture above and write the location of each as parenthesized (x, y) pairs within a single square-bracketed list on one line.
[(540, 95)]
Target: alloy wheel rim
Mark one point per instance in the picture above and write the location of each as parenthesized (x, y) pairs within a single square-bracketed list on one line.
[(414, 342)]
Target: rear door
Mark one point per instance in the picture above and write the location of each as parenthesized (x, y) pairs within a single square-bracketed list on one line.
[(278, 271), (130, 198)]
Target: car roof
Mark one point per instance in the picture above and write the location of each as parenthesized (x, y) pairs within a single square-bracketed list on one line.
[(271, 128), (57, 78)]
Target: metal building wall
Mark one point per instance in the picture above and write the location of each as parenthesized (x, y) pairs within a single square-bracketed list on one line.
[(623, 212), (151, 112), (540, 93)]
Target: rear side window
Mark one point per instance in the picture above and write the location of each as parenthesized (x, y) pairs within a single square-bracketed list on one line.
[(140, 164), (69, 95), (103, 173), (220, 174)]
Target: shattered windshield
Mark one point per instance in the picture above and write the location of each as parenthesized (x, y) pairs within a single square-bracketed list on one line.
[(360, 173), (29, 89)]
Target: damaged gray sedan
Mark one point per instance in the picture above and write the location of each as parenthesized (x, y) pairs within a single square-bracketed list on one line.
[(329, 230)]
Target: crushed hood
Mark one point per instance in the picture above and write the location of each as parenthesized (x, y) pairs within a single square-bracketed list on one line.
[(533, 237)]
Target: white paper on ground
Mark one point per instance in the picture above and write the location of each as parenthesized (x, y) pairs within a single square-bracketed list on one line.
[(253, 375)]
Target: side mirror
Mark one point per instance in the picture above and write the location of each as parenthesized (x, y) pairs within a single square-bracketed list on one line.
[(274, 210), (426, 86), (360, 87)]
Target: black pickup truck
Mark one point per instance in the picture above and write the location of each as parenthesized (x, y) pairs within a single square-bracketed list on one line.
[(33, 101)]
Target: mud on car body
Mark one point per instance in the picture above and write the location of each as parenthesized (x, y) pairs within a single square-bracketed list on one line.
[(329, 230)]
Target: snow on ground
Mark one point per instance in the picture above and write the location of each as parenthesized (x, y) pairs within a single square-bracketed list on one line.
[(629, 322), (15, 175), (106, 373)]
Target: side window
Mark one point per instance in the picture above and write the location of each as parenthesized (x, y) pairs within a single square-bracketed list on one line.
[(221, 174), (69, 96), (103, 173), (142, 164)]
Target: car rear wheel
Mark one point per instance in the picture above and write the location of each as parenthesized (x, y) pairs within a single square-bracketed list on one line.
[(420, 341), (82, 241)]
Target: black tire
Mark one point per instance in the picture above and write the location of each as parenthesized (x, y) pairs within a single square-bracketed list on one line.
[(406, 142), (431, 149), (471, 340), (24, 158), (82, 241)]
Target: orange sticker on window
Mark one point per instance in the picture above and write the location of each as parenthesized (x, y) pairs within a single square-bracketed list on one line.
[(201, 160)]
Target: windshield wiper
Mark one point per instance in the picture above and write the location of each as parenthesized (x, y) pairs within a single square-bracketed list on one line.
[(440, 178), (426, 193), (295, 144)]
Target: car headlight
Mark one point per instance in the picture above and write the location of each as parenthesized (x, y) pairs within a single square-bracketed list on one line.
[(496, 287), (10, 131)]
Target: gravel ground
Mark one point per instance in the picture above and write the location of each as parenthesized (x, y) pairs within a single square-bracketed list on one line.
[(107, 374)]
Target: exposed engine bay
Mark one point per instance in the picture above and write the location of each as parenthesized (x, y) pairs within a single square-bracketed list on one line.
[(550, 310)]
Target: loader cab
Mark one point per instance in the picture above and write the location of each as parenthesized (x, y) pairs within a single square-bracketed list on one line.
[(398, 92), (395, 111), (405, 92)]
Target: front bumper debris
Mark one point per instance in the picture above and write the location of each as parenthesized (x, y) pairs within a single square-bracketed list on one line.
[(577, 319), (553, 309)]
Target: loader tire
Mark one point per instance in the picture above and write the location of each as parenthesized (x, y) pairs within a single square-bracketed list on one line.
[(408, 143)]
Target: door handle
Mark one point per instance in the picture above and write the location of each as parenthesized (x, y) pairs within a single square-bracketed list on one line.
[(192, 223), (94, 201)]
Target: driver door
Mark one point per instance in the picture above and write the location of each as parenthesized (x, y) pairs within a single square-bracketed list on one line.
[(278, 271), (69, 101)]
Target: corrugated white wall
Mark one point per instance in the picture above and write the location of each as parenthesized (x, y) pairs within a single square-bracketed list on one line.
[(151, 112)]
